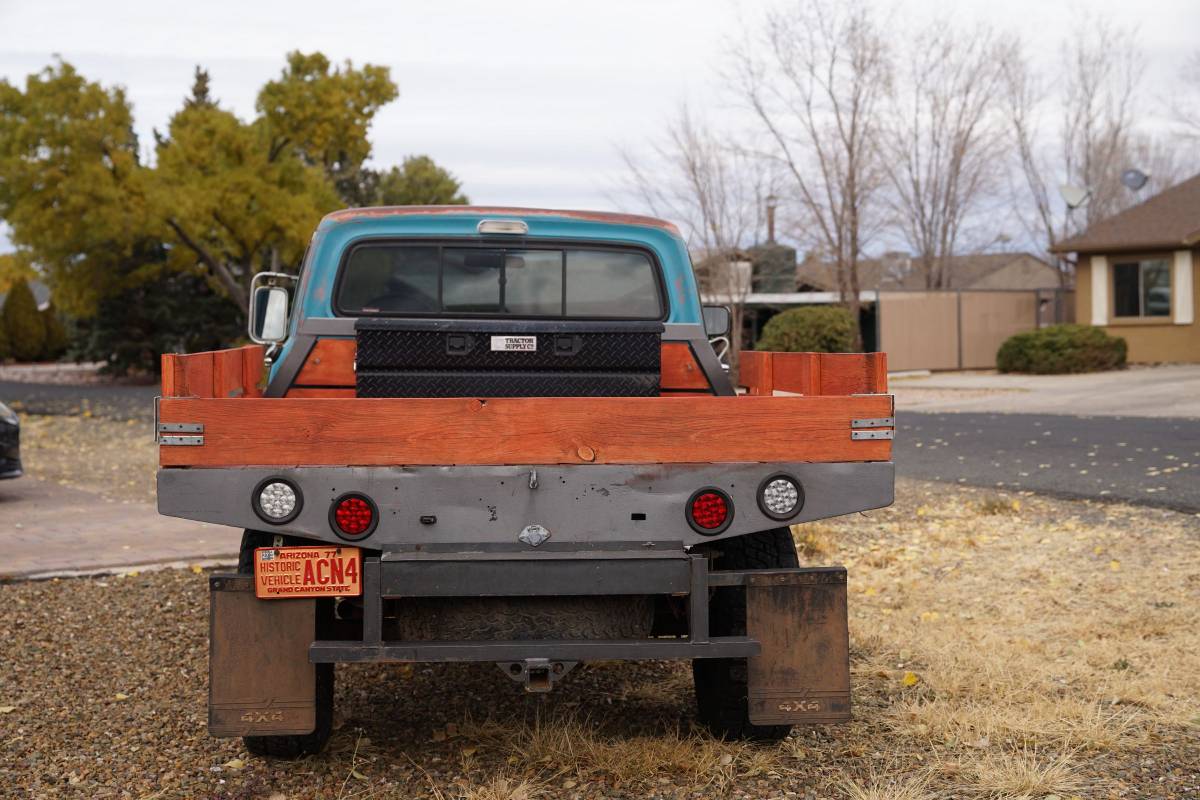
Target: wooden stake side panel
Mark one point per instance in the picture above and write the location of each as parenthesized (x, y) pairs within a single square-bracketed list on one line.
[(221, 373), (680, 370), (559, 430), (762, 373), (330, 364)]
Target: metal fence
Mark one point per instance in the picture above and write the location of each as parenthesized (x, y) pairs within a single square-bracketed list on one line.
[(962, 329)]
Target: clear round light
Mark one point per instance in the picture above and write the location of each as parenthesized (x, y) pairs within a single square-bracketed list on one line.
[(780, 497), (277, 500)]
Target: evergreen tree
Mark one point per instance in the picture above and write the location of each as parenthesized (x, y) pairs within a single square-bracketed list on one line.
[(23, 323), (56, 335)]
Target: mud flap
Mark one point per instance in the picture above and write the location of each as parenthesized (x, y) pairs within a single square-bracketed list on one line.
[(802, 675), (260, 681)]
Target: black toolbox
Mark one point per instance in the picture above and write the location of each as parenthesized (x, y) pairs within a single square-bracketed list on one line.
[(507, 358)]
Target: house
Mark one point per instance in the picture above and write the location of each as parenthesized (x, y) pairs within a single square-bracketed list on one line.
[(41, 294), (986, 298), (1135, 275), (899, 272)]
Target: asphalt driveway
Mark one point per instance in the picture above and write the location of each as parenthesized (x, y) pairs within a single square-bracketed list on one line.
[(1146, 460)]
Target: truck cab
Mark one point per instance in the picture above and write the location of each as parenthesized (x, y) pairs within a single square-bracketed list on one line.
[(502, 435)]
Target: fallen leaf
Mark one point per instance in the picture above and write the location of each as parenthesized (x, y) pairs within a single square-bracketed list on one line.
[(726, 760), (355, 773), (235, 763), (120, 696), (7, 709), (1114, 565), (469, 750), (910, 679), (196, 568)]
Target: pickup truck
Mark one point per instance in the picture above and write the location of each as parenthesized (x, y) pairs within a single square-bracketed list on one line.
[(502, 435)]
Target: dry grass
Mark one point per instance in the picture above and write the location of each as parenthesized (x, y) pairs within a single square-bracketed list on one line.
[(577, 748), (503, 788), (814, 539), (889, 787), (1024, 776), (1033, 628)]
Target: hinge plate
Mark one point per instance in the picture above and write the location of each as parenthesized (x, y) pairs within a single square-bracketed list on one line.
[(168, 433), (181, 440), (874, 422), (883, 428), (180, 427)]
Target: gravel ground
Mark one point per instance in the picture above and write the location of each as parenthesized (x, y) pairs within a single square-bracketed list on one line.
[(1004, 646)]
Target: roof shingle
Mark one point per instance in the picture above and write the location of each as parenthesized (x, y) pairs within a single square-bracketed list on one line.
[(1168, 220)]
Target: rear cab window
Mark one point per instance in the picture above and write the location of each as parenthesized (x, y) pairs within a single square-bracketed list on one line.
[(572, 282)]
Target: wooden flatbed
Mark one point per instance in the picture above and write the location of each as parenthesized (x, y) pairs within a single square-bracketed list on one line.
[(812, 422)]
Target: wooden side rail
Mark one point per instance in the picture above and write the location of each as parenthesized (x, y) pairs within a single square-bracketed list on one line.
[(531, 430), (218, 373), (762, 373)]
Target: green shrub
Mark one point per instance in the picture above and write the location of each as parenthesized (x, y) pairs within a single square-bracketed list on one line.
[(56, 335), (809, 329), (1060, 349), (173, 313), (23, 323)]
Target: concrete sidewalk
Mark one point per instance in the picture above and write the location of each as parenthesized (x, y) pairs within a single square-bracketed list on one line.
[(47, 529), (1169, 391)]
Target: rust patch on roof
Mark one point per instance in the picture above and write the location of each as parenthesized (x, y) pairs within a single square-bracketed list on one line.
[(612, 218)]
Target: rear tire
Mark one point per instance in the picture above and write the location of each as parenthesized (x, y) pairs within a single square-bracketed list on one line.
[(291, 745), (721, 690)]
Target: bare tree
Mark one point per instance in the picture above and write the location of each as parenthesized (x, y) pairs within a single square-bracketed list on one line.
[(943, 143), (1186, 109), (719, 193), (815, 75), (1101, 71)]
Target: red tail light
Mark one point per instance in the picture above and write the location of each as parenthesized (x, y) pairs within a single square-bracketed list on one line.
[(710, 511), (353, 516)]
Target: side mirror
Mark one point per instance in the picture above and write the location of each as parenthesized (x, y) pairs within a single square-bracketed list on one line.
[(269, 314), (716, 320)]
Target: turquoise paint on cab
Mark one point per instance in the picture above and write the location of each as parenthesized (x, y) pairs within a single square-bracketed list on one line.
[(334, 236)]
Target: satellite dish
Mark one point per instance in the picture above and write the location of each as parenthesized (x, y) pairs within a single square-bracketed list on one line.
[(1073, 196), (1134, 179)]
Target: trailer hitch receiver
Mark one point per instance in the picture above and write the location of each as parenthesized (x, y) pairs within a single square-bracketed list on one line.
[(537, 674)]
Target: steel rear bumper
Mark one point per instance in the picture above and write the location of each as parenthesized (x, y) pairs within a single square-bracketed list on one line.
[(474, 504), (796, 643)]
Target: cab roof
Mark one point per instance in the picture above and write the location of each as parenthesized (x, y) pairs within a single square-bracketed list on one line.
[(609, 217)]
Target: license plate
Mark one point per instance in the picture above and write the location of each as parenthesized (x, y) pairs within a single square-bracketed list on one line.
[(282, 572), (519, 344)]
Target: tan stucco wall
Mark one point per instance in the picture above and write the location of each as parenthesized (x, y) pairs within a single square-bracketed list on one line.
[(1149, 342)]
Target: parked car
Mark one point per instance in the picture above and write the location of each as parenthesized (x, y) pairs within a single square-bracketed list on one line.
[(503, 435), (10, 443)]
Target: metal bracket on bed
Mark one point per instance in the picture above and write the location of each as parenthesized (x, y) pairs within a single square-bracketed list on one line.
[(859, 428)]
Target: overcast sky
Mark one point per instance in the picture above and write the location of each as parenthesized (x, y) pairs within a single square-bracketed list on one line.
[(526, 101)]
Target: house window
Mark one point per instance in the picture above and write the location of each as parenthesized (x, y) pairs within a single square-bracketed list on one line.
[(1142, 288)]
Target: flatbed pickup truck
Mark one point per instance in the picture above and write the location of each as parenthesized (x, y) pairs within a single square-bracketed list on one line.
[(502, 435)]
